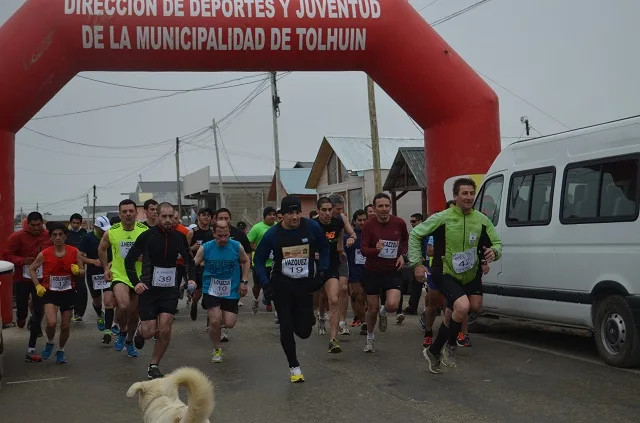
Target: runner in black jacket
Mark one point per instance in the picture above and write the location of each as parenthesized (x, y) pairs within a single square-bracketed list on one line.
[(159, 285)]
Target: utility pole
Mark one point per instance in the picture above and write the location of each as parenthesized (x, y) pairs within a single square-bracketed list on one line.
[(375, 141), (525, 121), (94, 206), (37, 207), (215, 140), (275, 100), (178, 177)]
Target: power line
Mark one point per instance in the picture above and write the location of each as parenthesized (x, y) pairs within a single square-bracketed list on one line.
[(428, 5), (182, 90), (119, 147), (458, 13), (143, 100)]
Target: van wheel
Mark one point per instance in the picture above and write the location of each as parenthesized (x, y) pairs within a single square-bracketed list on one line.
[(616, 332)]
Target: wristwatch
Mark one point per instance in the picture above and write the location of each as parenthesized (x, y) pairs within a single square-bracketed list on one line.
[(245, 282)]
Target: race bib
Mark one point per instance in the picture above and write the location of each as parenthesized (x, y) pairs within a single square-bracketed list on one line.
[(125, 246), (220, 288), (26, 275), (99, 283), (360, 259), (164, 277), (59, 283), (296, 268), (390, 249), (464, 261)]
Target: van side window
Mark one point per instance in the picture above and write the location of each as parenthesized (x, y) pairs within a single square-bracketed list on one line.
[(601, 191), (530, 198), (490, 199)]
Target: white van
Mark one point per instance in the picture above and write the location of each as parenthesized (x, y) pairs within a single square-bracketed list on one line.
[(566, 208)]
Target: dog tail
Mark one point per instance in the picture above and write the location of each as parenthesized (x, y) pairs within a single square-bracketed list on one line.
[(200, 389)]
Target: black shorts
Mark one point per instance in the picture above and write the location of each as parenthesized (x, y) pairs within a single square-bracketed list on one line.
[(452, 289), (374, 283), (95, 293), (225, 304), (131, 289), (333, 272), (156, 301), (64, 300)]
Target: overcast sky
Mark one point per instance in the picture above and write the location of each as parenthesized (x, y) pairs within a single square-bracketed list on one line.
[(576, 60)]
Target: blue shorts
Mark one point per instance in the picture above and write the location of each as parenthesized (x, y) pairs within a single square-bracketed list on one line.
[(429, 284)]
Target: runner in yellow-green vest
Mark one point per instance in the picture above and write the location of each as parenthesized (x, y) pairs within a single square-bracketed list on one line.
[(468, 243), (120, 238), (255, 235)]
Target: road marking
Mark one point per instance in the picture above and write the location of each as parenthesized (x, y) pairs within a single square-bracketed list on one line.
[(557, 353), (36, 380)]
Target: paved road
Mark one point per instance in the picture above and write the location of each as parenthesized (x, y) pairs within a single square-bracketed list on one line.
[(513, 373)]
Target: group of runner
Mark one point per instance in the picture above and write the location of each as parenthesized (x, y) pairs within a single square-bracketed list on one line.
[(310, 268)]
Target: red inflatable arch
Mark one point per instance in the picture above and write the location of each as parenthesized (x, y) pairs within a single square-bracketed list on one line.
[(47, 42)]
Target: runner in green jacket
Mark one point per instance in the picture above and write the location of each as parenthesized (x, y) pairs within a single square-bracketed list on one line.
[(468, 242)]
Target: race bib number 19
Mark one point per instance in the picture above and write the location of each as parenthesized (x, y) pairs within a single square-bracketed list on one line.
[(296, 268), (390, 249), (164, 277)]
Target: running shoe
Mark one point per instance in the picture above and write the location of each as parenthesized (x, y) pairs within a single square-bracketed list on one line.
[(240, 303), (153, 372), (269, 307), (255, 307), (77, 318), (119, 344), (356, 322), (115, 330), (363, 329), (334, 347), (368, 348), (216, 356), (428, 339), (47, 351), (106, 338), (224, 335), (382, 322), (61, 358), (423, 322), (321, 328), (343, 329), (449, 355), (295, 375), (131, 350), (138, 340), (100, 324), (463, 340), (399, 318), (434, 361), (32, 357)]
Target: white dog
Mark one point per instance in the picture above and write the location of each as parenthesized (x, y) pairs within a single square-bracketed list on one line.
[(160, 403)]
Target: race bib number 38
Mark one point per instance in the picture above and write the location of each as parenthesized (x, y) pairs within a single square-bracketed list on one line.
[(390, 249), (164, 277), (125, 246), (220, 288), (60, 283), (464, 261)]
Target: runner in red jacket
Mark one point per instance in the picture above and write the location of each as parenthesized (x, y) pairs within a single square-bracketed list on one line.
[(22, 248)]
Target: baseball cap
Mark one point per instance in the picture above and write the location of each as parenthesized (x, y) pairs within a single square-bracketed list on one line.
[(205, 210), (102, 223), (290, 204)]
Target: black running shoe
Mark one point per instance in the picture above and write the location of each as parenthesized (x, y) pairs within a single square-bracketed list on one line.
[(154, 372), (138, 341)]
